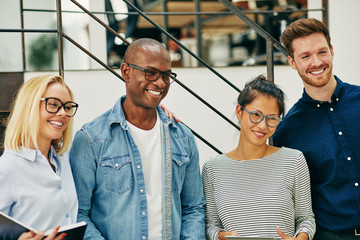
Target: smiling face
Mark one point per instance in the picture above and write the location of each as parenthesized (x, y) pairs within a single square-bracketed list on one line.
[(52, 125), (257, 133), (140, 92), (312, 59)]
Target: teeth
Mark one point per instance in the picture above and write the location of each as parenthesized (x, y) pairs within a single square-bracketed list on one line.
[(317, 72), (56, 123), (154, 92), (259, 134)]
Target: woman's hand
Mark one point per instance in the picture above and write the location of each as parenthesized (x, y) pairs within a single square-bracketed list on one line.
[(40, 235), (169, 114), (300, 236), (223, 234)]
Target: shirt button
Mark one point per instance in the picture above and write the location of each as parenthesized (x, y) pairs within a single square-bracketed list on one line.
[(116, 164), (318, 105), (356, 184), (349, 158), (59, 187), (138, 166), (143, 213), (67, 215), (340, 133), (337, 99), (331, 109), (143, 237), (141, 190)]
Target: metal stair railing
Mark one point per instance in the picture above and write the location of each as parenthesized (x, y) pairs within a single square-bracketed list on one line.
[(61, 35), (176, 80), (270, 44)]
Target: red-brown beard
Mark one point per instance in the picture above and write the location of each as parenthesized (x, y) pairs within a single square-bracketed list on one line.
[(317, 82)]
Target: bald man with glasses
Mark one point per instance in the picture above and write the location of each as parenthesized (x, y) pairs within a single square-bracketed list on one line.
[(136, 172)]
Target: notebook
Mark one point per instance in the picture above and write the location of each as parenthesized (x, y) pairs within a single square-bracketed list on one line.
[(11, 229)]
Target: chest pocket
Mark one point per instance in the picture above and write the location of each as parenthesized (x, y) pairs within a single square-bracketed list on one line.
[(180, 163), (118, 174)]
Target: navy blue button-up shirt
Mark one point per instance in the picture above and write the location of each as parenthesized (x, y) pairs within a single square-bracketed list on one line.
[(329, 136)]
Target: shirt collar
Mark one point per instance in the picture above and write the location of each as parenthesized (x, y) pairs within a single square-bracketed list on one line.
[(31, 154), (117, 114), (335, 97)]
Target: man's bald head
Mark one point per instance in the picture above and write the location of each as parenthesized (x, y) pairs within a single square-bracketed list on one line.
[(132, 51)]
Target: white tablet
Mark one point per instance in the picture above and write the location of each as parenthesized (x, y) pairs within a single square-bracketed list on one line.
[(250, 238)]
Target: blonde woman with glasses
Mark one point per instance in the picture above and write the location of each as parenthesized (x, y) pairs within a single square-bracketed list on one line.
[(36, 182)]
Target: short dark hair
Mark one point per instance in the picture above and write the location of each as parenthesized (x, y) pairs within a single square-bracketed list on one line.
[(261, 86), (301, 28)]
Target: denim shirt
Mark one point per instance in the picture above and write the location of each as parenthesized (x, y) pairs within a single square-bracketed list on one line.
[(110, 182)]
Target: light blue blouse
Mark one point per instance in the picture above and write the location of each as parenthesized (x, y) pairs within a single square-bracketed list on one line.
[(31, 192)]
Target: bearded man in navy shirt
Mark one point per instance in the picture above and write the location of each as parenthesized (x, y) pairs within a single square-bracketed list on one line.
[(323, 124)]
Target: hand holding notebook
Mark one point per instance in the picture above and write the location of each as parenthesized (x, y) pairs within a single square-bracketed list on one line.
[(11, 229)]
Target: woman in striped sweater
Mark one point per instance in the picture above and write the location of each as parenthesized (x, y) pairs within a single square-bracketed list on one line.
[(258, 190)]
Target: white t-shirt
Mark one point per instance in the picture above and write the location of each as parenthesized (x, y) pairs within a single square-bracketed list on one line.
[(149, 145)]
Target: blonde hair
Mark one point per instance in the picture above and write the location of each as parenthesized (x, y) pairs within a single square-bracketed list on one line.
[(24, 120)]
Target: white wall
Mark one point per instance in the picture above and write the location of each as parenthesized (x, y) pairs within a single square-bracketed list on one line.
[(344, 25), (98, 90)]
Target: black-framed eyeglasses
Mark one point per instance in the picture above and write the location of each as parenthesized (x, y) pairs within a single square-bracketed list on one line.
[(53, 105), (257, 117), (152, 74)]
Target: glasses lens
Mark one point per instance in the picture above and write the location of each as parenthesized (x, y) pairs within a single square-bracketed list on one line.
[(152, 74), (70, 109), (256, 117), (172, 77), (53, 105), (167, 76), (273, 121)]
